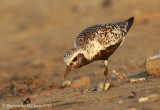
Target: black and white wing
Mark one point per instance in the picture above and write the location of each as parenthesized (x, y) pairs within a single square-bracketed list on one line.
[(105, 34)]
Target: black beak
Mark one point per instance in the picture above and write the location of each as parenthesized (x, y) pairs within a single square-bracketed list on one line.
[(68, 69)]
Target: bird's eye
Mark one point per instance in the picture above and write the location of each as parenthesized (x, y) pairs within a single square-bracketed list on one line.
[(75, 59)]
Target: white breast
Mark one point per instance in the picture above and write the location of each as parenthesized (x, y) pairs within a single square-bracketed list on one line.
[(93, 48)]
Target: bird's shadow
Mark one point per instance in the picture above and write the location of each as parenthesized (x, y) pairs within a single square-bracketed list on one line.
[(140, 75)]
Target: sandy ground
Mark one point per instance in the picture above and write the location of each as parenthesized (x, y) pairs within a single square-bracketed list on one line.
[(34, 35)]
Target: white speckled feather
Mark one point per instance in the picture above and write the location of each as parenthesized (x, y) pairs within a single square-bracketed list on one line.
[(96, 38)]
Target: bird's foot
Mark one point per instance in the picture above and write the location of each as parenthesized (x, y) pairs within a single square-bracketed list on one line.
[(107, 86)]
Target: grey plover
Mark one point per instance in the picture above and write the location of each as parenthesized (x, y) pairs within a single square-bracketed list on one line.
[(95, 43)]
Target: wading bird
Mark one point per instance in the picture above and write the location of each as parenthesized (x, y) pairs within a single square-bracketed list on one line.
[(95, 43)]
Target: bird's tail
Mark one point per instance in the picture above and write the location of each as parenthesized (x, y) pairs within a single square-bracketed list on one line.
[(130, 22)]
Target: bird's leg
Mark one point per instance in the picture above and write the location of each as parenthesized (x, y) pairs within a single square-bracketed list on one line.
[(106, 74)]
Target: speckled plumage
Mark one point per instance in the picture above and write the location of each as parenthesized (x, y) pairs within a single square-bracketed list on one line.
[(97, 42), (104, 33), (96, 38)]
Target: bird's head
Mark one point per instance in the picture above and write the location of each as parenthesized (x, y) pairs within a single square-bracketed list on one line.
[(74, 58)]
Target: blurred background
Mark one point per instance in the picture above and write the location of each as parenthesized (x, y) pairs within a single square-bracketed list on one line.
[(34, 35)]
